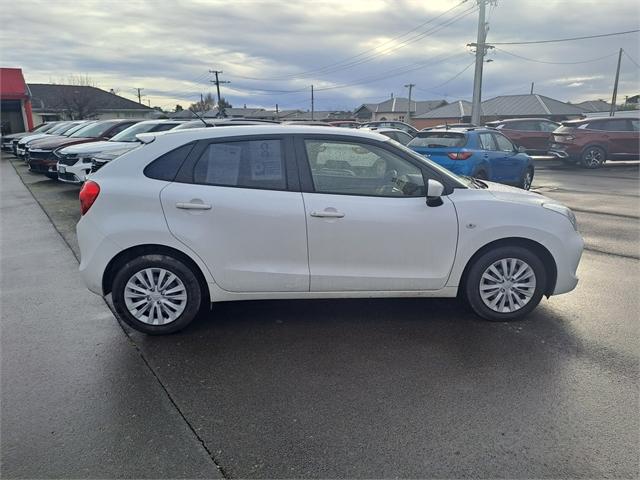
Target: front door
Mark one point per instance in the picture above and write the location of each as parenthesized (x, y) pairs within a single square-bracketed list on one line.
[(369, 227), (506, 164), (238, 216)]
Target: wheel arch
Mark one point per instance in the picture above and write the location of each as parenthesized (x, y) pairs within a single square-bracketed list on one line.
[(544, 254), (152, 249), (595, 144)]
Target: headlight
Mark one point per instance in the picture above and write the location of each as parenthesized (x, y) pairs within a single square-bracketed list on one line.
[(562, 210)]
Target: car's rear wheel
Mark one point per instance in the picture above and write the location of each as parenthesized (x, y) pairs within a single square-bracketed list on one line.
[(593, 157), (156, 294), (505, 283), (527, 179), (481, 175)]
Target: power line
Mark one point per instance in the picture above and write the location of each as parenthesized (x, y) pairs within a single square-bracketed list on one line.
[(567, 39), (555, 63), (630, 58), (344, 64)]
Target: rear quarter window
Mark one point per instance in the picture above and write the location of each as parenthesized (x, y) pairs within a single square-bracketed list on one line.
[(166, 167), (438, 140)]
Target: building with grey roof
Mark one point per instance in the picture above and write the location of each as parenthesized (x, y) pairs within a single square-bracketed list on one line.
[(594, 106), (529, 105), (454, 112), (395, 108), (60, 102)]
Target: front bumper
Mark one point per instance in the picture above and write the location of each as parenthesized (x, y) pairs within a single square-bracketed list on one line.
[(567, 263)]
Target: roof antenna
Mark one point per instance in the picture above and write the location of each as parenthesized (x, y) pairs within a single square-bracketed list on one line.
[(200, 118), (446, 125)]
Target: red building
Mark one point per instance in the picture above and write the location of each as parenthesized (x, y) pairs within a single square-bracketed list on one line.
[(15, 102)]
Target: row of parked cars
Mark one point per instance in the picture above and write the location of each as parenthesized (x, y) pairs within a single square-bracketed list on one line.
[(589, 142)]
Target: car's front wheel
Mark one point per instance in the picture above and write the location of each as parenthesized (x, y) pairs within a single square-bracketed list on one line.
[(156, 294), (505, 283)]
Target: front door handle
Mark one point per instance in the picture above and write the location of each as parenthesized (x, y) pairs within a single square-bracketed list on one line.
[(193, 206), (328, 214)]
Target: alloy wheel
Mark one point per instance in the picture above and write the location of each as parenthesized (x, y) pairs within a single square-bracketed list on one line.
[(527, 180), (507, 285), (155, 296), (593, 157)]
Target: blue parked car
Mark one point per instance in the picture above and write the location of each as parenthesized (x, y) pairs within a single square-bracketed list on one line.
[(481, 153)]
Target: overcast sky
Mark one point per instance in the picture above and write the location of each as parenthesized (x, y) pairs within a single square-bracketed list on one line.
[(352, 51)]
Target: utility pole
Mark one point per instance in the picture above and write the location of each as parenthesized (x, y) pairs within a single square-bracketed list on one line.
[(532, 88), (139, 96), (408, 117), (615, 87), (217, 81), (481, 51), (312, 105)]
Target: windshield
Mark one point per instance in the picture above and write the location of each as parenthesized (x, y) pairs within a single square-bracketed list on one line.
[(463, 182), (74, 127), (94, 130), (438, 140), (44, 127), (58, 129), (129, 134)]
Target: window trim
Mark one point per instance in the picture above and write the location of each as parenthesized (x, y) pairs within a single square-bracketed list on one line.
[(292, 182), (306, 178)]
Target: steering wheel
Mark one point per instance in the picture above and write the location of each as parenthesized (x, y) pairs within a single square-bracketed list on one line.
[(390, 186)]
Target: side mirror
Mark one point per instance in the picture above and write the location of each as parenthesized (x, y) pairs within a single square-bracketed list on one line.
[(521, 149), (434, 191)]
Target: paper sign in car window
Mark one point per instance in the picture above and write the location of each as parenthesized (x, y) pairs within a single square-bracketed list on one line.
[(266, 160), (224, 164)]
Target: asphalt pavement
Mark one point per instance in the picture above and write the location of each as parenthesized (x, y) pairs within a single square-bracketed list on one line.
[(416, 388)]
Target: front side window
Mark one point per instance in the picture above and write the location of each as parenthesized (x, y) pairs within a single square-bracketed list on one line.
[(349, 168), (635, 124), (504, 145), (248, 164), (548, 126)]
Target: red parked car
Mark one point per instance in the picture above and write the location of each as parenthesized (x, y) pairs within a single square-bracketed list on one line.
[(593, 141), (534, 134), (41, 158)]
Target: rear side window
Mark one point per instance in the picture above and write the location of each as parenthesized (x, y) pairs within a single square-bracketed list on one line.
[(487, 142), (248, 164), (438, 140), (525, 125), (616, 125), (166, 167)]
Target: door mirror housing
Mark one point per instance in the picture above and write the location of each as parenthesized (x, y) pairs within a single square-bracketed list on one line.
[(521, 149), (435, 189)]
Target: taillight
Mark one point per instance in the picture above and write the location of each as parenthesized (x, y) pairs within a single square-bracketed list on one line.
[(88, 194), (459, 155)]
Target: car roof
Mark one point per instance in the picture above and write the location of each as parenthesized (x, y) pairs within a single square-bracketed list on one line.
[(510, 120), (250, 130), (458, 130)]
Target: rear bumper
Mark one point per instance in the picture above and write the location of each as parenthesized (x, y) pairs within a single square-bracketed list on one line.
[(96, 251)]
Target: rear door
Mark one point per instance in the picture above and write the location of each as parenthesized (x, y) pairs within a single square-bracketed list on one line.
[(623, 141), (236, 203), (506, 164)]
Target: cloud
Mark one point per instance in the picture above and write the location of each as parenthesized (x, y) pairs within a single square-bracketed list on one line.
[(272, 51)]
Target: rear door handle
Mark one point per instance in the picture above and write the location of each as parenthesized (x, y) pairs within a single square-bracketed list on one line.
[(193, 206), (327, 214)]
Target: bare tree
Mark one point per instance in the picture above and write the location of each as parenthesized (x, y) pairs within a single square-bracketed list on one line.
[(77, 98), (204, 105)]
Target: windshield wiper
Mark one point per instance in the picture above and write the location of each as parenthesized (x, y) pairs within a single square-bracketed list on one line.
[(476, 182)]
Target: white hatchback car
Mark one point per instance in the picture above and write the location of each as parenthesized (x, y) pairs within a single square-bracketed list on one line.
[(200, 216)]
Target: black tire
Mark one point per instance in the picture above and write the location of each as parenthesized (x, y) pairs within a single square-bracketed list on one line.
[(488, 258), (194, 296), (527, 179), (481, 175), (593, 157)]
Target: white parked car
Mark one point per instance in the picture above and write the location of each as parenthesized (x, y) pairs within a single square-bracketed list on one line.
[(195, 217), (74, 161)]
